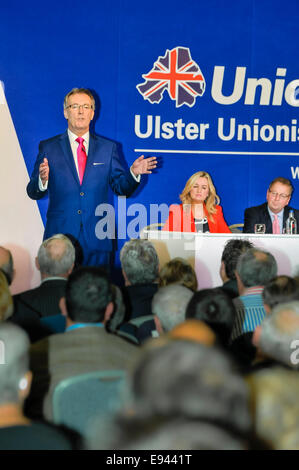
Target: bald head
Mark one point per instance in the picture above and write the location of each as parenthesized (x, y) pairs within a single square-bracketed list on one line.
[(6, 263), (56, 256)]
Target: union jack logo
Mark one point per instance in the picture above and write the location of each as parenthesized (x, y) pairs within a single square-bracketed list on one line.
[(177, 73)]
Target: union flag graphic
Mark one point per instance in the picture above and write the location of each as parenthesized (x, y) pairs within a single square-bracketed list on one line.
[(177, 73)]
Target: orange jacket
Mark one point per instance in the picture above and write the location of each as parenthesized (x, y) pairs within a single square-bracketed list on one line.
[(180, 220)]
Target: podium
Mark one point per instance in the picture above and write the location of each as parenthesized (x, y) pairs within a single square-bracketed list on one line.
[(203, 251)]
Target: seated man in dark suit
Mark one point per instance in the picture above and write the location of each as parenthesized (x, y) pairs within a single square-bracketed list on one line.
[(140, 267), (230, 255), (55, 261), (275, 211)]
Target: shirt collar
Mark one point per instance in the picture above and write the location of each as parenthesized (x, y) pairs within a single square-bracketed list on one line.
[(73, 137), (83, 325), (253, 290), (279, 214), (53, 278)]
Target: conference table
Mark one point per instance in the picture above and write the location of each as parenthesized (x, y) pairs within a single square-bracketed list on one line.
[(203, 251)]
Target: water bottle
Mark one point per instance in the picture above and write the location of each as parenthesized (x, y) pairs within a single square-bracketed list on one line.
[(291, 224)]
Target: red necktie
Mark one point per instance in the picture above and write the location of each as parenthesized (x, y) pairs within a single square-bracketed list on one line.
[(275, 225), (82, 157)]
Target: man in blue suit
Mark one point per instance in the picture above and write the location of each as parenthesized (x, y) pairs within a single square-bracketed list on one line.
[(76, 192)]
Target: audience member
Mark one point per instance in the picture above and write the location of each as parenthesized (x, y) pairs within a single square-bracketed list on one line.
[(216, 309), (275, 407), (55, 261), (273, 213), (193, 330), (277, 338), (255, 268), (6, 264), (184, 396), (169, 306), (178, 271), (279, 290), (230, 255), (85, 346), (140, 267), (16, 431)]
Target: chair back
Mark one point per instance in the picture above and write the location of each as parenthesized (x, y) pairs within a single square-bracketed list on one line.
[(78, 400)]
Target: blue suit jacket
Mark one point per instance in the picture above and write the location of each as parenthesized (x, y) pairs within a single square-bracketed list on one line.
[(72, 204)]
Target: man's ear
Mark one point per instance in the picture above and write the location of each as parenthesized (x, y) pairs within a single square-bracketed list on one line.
[(127, 282), (37, 264), (108, 312), (62, 306), (25, 385), (240, 283), (159, 327)]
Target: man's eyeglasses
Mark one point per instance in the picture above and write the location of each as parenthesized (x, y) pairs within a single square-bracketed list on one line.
[(78, 106), (280, 196)]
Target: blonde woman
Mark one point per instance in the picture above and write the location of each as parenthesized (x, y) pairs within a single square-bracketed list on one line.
[(200, 210)]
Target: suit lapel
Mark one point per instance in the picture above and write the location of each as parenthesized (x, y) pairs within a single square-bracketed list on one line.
[(68, 154), (267, 219), (91, 155)]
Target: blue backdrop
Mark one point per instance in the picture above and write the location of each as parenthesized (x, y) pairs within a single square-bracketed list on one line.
[(243, 129)]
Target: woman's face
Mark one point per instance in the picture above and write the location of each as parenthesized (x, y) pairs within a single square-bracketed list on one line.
[(200, 190)]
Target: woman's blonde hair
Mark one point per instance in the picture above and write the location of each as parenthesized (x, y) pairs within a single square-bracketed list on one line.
[(212, 198), (178, 271)]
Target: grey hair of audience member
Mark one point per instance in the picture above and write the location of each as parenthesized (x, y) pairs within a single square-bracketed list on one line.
[(279, 336), (231, 253), (7, 267), (188, 387), (56, 265), (139, 261), (279, 290), (256, 267), (169, 305), (15, 345)]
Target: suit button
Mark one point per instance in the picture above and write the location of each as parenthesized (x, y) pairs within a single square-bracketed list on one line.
[(79, 211), (81, 194)]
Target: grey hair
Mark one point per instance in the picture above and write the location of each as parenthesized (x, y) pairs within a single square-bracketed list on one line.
[(82, 91), (140, 262), (256, 267), (278, 331), (15, 344), (55, 264), (170, 303), (186, 386)]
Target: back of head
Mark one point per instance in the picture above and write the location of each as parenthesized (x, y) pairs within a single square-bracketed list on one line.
[(279, 290), (6, 302), (178, 271), (187, 379), (193, 330), (256, 267), (216, 309), (56, 256), (6, 264), (169, 305), (279, 337), (88, 292), (139, 261), (14, 361), (231, 253)]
